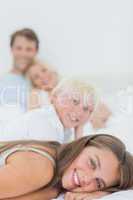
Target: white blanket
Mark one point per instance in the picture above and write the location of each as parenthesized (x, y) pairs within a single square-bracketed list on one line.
[(124, 195)]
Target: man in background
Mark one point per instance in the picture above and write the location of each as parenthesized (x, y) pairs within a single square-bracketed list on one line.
[(24, 46)]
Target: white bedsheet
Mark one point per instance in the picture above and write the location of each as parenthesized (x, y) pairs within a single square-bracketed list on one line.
[(124, 195)]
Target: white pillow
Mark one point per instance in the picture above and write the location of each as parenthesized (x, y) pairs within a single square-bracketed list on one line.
[(120, 124), (123, 195), (61, 197), (121, 101)]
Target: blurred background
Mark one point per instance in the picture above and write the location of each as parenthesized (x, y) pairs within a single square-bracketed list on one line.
[(89, 37)]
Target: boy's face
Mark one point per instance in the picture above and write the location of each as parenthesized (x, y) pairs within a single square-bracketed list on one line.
[(43, 78), (24, 52), (73, 109)]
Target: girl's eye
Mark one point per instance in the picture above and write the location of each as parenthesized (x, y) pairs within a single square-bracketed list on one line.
[(44, 70), (36, 77), (85, 108), (98, 183), (93, 164)]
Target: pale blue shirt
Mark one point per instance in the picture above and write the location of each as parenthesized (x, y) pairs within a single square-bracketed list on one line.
[(14, 89)]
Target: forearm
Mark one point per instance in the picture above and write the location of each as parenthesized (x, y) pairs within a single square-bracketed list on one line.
[(85, 196), (46, 194), (78, 132)]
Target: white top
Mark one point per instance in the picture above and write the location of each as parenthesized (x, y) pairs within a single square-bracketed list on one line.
[(39, 124), (5, 154)]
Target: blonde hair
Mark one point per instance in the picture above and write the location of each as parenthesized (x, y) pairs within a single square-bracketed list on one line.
[(45, 66), (78, 85)]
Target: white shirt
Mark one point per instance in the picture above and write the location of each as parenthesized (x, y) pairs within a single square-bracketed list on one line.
[(39, 124)]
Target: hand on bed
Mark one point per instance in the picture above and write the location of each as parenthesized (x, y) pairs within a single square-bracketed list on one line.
[(84, 196)]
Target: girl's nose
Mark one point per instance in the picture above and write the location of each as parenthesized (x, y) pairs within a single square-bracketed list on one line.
[(79, 114), (85, 181), (85, 177), (74, 116)]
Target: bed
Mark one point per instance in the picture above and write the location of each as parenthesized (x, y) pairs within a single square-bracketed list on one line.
[(120, 125)]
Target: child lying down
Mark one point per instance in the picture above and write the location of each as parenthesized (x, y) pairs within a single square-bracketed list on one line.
[(73, 102), (43, 80)]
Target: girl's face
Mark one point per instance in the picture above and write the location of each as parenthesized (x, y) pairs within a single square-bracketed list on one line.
[(24, 52), (94, 169), (43, 78)]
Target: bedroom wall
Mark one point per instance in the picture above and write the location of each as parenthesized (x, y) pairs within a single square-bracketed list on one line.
[(88, 37)]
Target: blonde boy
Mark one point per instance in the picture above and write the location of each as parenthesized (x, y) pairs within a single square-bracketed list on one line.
[(73, 101)]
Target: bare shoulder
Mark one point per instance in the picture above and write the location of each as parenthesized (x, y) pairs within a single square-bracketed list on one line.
[(38, 169)]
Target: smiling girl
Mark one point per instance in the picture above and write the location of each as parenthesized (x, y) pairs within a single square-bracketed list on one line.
[(43, 80), (41, 170)]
